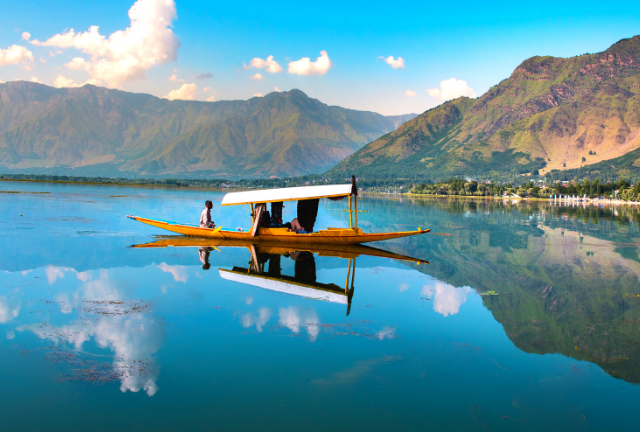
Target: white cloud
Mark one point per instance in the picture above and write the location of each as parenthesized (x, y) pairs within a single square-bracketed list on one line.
[(17, 54), (185, 92), (277, 89), (292, 319), (175, 78), (7, 311), (26, 36), (259, 319), (305, 66), (35, 80), (257, 95), (410, 93), (126, 54), (179, 272), (248, 300), (11, 335), (270, 65), (211, 98), (451, 89), (386, 333), (206, 89), (61, 81), (395, 63), (257, 77), (447, 298), (76, 63), (53, 273), (403, 287)]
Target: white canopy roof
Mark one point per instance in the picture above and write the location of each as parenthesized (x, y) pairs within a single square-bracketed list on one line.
[(284, 287), (286, 194)]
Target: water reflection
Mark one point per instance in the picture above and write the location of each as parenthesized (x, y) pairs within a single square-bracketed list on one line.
[(265, 271)]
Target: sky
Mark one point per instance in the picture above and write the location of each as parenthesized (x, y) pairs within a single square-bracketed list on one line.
[(391, 58)]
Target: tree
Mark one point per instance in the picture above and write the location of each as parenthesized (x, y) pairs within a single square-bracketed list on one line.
[(584, 158)]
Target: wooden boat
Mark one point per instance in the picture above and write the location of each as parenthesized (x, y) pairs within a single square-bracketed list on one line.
[(257, 233), (303, 283)]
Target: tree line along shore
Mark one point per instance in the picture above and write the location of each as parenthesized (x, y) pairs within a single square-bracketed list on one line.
[(621, 190)]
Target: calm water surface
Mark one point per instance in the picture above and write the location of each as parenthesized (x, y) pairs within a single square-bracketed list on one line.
[(97, 335)]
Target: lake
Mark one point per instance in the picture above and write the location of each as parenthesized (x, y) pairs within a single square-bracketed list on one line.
[(526, 318)]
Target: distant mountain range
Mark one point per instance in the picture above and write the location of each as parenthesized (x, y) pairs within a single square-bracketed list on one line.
[(574, 114), (98, 131)]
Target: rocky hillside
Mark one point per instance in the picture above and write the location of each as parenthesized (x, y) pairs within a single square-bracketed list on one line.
[(98, 131), (550, 114)]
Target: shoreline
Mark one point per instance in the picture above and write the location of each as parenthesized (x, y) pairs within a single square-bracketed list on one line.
[(607, 203), (136, 185)]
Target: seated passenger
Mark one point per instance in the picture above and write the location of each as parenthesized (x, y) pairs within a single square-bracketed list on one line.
[(205, 217), (297, 228), (276, 216)]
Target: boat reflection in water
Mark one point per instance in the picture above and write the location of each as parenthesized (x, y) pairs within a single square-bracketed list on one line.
[(265, 267)]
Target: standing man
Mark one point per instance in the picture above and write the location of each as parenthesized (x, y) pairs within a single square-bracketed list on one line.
[(205, 217)]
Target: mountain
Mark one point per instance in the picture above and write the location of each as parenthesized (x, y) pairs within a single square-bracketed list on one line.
[(548, 115), (98, 131), (402, 118)]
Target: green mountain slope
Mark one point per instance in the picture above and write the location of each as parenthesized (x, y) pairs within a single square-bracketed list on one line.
[(120, 133), (548, 115)]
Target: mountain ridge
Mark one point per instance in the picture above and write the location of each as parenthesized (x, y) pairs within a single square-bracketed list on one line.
[(546, 116), (122, 133)]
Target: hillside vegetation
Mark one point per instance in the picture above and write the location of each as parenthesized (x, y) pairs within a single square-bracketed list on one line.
[(98, 131), (550, 114)]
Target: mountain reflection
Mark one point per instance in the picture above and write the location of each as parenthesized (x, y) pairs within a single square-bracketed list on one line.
[(566, 279)]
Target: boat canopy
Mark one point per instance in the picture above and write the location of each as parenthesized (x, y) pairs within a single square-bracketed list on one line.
[(287, 194), (329, 292)]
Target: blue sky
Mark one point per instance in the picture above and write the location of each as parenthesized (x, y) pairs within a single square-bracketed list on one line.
[(476, 43)]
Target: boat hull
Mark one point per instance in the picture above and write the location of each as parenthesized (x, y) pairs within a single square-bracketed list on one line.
[(329, 236)]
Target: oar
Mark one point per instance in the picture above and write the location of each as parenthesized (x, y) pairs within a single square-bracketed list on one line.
[(217, 229)]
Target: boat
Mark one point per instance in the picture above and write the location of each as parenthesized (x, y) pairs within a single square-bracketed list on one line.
[(307, 197), (264, 270)]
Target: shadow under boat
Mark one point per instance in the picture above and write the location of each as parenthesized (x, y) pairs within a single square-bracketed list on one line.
[(265, 271)]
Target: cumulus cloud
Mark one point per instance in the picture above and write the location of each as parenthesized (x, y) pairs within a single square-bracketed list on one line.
[(8, 311), (204, 76), (35, 80), (403, 287), (61, 82), (26, 36), (178, 272), (395, 63), (451, 89), (269, 64), (305, 66), (257, 77), (206, 89), (293, 319), (126, 54), (258, 319), (447, 298), (410, 93), (211, 98), (257, 95), (277, 89), (17, 54), (175, 78), (11, 335), (386, 333), (76, 63), (185, 92)]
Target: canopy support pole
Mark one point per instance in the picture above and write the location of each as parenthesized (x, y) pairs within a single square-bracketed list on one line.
[(355, 200), (346, 285), (253, 216), (350, 214), (257, 219)]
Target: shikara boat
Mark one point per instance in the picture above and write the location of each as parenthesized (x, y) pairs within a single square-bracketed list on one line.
[(307, 197), (264, 270)]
